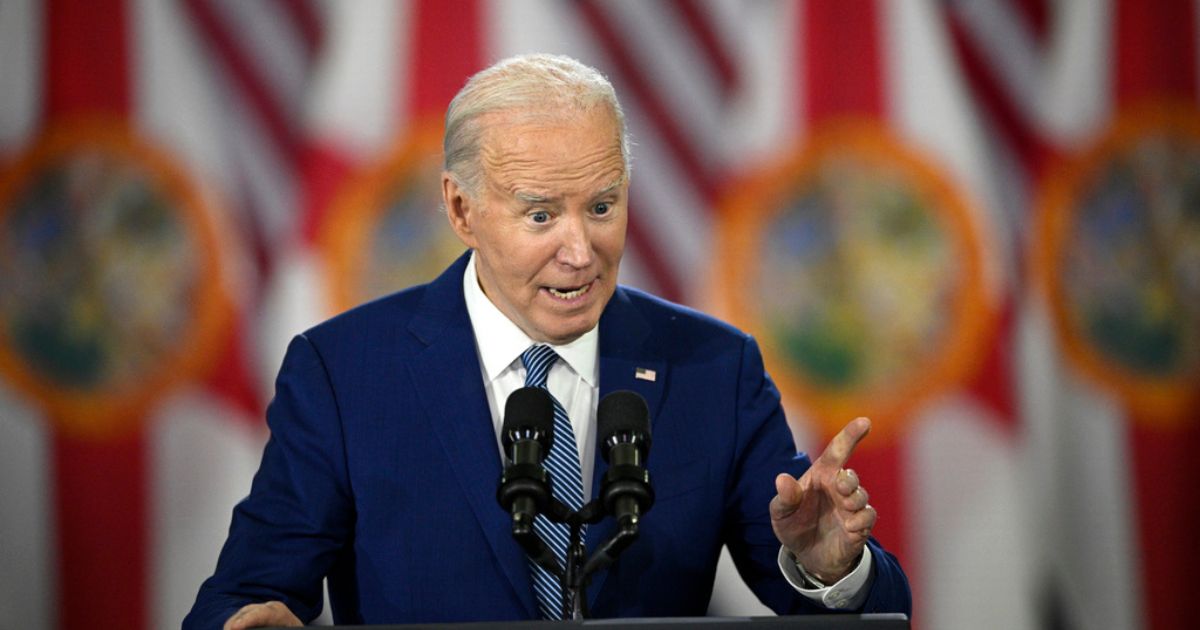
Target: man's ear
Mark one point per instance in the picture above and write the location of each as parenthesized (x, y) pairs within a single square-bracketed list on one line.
[(460, 210)]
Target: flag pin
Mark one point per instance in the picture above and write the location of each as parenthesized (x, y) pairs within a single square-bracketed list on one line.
[(645, 374)]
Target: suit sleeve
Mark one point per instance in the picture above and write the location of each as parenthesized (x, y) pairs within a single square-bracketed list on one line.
[(287, 534), (765, 448)]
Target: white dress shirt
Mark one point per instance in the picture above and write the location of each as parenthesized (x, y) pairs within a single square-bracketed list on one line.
[(575, 381)]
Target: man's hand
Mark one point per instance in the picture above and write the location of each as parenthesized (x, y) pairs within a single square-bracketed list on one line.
[(823, 517), (259, 615)]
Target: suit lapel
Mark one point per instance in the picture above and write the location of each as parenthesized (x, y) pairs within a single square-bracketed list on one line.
[(446, 375), (626, 359), (625, 364)]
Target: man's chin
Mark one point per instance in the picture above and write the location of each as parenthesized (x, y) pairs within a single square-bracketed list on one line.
[(557, 338), (563, 332)]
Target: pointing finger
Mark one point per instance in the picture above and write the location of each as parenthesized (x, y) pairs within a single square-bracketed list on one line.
[(839, 449)]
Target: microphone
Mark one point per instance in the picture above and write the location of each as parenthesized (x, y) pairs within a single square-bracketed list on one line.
[(526, 434), (623, 424)]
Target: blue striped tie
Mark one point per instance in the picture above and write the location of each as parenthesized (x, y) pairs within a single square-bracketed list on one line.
[(566, 483)]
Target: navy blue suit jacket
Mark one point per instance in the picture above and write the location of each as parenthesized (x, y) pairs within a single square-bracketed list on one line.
[(382, 467)]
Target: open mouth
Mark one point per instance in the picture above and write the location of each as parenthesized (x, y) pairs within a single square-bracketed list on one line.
[(570, 294)]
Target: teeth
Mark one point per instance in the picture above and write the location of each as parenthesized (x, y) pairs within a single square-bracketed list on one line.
[(570, 295)]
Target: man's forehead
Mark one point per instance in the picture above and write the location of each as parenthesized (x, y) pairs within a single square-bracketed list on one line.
[(537, 158), (507, 130)]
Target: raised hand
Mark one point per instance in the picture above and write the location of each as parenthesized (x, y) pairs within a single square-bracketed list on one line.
[(823, 517)]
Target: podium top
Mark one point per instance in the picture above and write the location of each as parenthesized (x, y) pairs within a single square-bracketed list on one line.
[(877, 621)]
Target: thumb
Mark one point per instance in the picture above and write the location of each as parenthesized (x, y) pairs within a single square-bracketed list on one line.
[(788, 494)]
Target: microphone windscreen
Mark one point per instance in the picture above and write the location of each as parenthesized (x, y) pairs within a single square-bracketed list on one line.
[(623, 412), (529, 410)]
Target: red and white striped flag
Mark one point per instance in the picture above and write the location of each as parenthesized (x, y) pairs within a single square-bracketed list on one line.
[(1097, 128), (148, 172), (972, 221)]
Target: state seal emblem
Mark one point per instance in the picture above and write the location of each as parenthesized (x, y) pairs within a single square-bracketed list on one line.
[(860, 267), (384, 231), (1117, 254), (110, 288)]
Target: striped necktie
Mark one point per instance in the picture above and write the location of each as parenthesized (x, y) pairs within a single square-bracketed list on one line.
[(566, 483)]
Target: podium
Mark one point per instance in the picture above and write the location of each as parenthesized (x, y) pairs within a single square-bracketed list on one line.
[(879, 621)]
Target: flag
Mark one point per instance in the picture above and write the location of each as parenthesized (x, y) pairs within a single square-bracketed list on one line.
[(146, 176), (1093, 110), (868, 257), (973, 222)]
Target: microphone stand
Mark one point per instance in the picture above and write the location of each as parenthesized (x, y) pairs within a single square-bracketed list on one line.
[(579, 567), (575, 581), (573, 577), (577, 573)]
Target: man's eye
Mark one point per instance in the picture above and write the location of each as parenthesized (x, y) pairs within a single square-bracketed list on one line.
[(602, 208), (540, 216)]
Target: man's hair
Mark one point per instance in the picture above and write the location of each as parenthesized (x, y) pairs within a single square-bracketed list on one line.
[(535, 85)]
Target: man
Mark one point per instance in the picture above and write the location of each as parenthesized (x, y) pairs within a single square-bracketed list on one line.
[(384, 457)]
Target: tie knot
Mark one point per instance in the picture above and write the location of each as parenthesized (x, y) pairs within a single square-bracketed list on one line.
[(537, 361)]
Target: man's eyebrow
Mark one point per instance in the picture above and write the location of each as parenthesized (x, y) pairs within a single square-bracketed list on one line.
[(536, 198), (611, 187), (529, 197)]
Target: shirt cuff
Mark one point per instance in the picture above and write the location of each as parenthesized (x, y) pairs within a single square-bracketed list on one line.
[(848, 593)]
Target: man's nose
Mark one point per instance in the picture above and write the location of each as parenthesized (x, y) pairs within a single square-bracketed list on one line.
[(576, 247)]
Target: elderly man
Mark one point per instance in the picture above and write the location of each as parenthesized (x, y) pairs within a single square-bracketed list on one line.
[(384, 457)]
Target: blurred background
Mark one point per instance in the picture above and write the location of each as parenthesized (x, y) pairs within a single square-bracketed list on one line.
[(976, 221)]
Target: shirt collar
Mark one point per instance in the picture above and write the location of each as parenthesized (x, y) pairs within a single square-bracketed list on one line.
[(505, 341)]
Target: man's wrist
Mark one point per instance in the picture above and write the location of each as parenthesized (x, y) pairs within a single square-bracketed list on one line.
[(810, 581), (823, 579), (848, 593)]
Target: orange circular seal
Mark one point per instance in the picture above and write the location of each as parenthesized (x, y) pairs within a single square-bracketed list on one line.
[(110, 289), (384, 231), (1117, 254), (860, 269)]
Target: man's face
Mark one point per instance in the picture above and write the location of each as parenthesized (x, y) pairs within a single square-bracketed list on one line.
[(548, 226)]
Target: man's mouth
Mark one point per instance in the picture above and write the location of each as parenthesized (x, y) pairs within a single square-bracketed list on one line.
[(569, 293)]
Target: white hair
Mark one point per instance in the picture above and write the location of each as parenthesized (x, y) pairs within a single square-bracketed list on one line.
[(535, 84)]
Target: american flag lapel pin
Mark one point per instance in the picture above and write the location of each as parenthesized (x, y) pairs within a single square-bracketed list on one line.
[(645, 374)]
